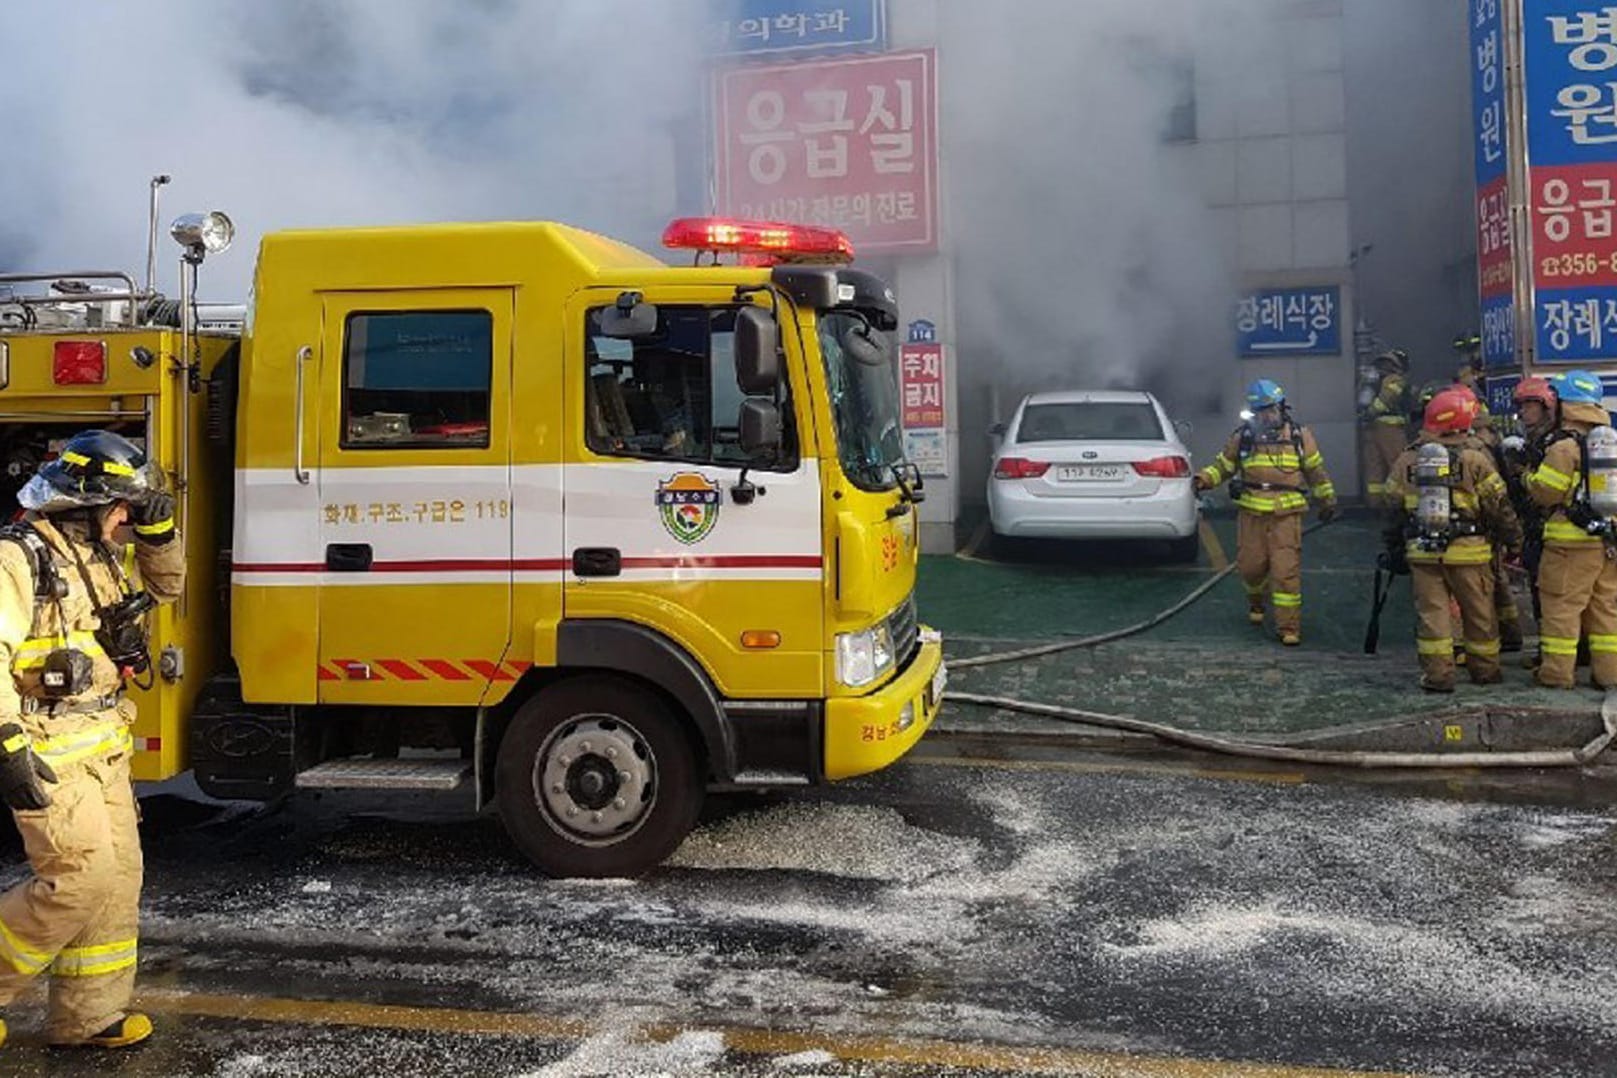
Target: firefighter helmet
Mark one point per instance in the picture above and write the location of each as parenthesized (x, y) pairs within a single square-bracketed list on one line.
[(1451, 411), (1395, 359), (1467, 342), (1534, 389), (1579, 387), (95, 467), (1264, 393)]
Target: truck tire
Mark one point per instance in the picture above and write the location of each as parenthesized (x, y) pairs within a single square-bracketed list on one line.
[(596, 777)]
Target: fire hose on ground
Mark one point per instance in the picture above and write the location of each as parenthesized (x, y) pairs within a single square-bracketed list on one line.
[(1257, 750)]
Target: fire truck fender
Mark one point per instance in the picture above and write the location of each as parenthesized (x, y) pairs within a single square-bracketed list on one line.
[(648, 656)]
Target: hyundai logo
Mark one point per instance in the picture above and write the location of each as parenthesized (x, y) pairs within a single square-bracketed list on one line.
[(1090, 454)]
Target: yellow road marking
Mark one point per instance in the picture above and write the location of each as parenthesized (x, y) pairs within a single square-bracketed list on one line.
[(752, 1041), (1215, 549), (1278, 778)]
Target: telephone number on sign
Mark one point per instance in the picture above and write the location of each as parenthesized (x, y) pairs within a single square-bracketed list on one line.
[(1585, 264)]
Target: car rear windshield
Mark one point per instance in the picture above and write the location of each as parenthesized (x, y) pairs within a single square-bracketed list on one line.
[(1094, 421)]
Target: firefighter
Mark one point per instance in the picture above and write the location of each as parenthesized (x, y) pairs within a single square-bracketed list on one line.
[(1484, 436), (71, 633), (1575, 486), (1538, 411), (1453, 502), (1383, 402), (1469, 374), (1273, 464)]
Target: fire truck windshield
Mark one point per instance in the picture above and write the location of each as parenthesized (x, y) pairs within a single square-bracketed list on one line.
[(864, 402)]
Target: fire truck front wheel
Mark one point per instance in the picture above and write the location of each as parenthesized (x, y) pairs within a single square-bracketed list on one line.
[(597, 777)]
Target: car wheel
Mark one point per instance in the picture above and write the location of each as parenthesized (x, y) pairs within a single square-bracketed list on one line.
[(1185, 551), (597, 777)]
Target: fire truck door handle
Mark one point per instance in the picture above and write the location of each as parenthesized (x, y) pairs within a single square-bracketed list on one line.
[(597, 561), (304, 355), (348, 557)]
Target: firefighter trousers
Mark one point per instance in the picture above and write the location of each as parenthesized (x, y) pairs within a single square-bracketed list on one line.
[(1381, 445), (1471, 588), (77, 914), (1577, 594), (1504, 603), (1269, 556)]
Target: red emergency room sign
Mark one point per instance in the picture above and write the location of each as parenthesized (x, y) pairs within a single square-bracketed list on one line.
[(847, 143)]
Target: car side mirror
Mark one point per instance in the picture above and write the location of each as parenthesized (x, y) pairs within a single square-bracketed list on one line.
[(630, 317), (997, 430), (1184, 427), (760, 428), (757, 352)]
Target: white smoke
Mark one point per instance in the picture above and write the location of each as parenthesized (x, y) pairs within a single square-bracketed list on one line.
[(302, 113)]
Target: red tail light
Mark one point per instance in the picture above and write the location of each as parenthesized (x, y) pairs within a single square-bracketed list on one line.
[(79, 363), (1163, 467), (1020, 468)]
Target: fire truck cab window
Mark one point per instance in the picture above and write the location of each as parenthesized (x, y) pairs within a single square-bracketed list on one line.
[(671, 395), (417, 379)]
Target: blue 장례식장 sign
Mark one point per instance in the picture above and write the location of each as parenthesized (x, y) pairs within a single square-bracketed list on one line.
[(818, 27), (1290, 322)]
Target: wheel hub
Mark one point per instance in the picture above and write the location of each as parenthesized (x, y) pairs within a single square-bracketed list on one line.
[(595, 778)]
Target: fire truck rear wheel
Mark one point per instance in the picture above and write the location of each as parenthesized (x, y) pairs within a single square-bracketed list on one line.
[(597, 777)]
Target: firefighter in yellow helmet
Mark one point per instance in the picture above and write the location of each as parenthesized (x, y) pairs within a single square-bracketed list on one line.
[(1383, 401), (1273, 464), (1453, 503), (1576, 486), (71, 632)]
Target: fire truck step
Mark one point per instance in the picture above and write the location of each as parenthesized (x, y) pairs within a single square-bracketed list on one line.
[(362, 773)]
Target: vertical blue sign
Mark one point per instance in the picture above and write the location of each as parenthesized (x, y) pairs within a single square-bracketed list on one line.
[(817, 27), (1500, 390), (1290, 322), (1495, 268), (1569, 51)]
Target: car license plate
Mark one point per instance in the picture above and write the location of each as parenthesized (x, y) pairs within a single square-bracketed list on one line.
[(1090, 473)]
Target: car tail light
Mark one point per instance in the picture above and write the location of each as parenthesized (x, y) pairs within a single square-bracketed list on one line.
[(1164, 467), (1020, 468), (79, 363)]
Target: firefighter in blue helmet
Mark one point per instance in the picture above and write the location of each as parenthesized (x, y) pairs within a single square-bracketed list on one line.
[(1272, 464)]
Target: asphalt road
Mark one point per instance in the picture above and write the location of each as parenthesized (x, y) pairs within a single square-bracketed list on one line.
[(1070, 914)]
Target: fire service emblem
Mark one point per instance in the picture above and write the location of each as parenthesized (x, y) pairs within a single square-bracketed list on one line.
[(689, 504)]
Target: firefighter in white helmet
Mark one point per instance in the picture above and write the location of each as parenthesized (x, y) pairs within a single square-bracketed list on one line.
[(72, 633)]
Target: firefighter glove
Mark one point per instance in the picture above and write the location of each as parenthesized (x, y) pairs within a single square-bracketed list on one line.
[(153, 518), (1328, 512), (1394, 561), (1200, 484), (21, 771)]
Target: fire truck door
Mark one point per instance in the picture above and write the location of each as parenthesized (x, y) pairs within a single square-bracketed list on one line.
[(415, 496)]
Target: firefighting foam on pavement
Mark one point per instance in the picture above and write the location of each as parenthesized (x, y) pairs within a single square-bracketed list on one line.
[(809, 536)]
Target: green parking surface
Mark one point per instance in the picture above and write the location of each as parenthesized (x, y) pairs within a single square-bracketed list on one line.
[(1206, 668)]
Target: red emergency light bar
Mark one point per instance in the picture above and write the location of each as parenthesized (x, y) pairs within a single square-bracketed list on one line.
[(772, 240), (79, 363)]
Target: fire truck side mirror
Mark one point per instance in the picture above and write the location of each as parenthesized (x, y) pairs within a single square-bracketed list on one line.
[(757, 353), (867, 346), (760, 428)]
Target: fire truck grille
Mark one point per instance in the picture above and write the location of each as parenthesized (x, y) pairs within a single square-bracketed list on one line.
[(904, 631)]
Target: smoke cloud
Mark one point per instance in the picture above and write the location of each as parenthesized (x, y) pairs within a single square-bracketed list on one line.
[(302, 113)]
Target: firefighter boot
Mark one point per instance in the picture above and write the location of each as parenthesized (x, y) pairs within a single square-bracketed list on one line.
[(1510, 633), (1254, 611), (126, 1032)]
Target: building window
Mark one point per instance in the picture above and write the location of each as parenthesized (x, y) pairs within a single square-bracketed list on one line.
[(417, 379), (1181, 122)]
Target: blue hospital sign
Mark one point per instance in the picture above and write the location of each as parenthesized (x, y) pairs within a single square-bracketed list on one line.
[(808, 27), (1290, 322)]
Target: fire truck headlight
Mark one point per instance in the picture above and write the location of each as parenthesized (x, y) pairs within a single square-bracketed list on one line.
[(864, 656), (210, 231)]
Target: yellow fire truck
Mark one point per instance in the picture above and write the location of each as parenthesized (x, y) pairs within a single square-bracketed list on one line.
[(513, 505)]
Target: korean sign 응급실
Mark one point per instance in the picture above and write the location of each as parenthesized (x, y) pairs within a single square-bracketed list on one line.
[(812, 27), (1570, 61), (921, 395), (846, 143), (1290, 322), (1495, 269)]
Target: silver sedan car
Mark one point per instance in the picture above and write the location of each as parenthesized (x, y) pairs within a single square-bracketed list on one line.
[(1093, 465)]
